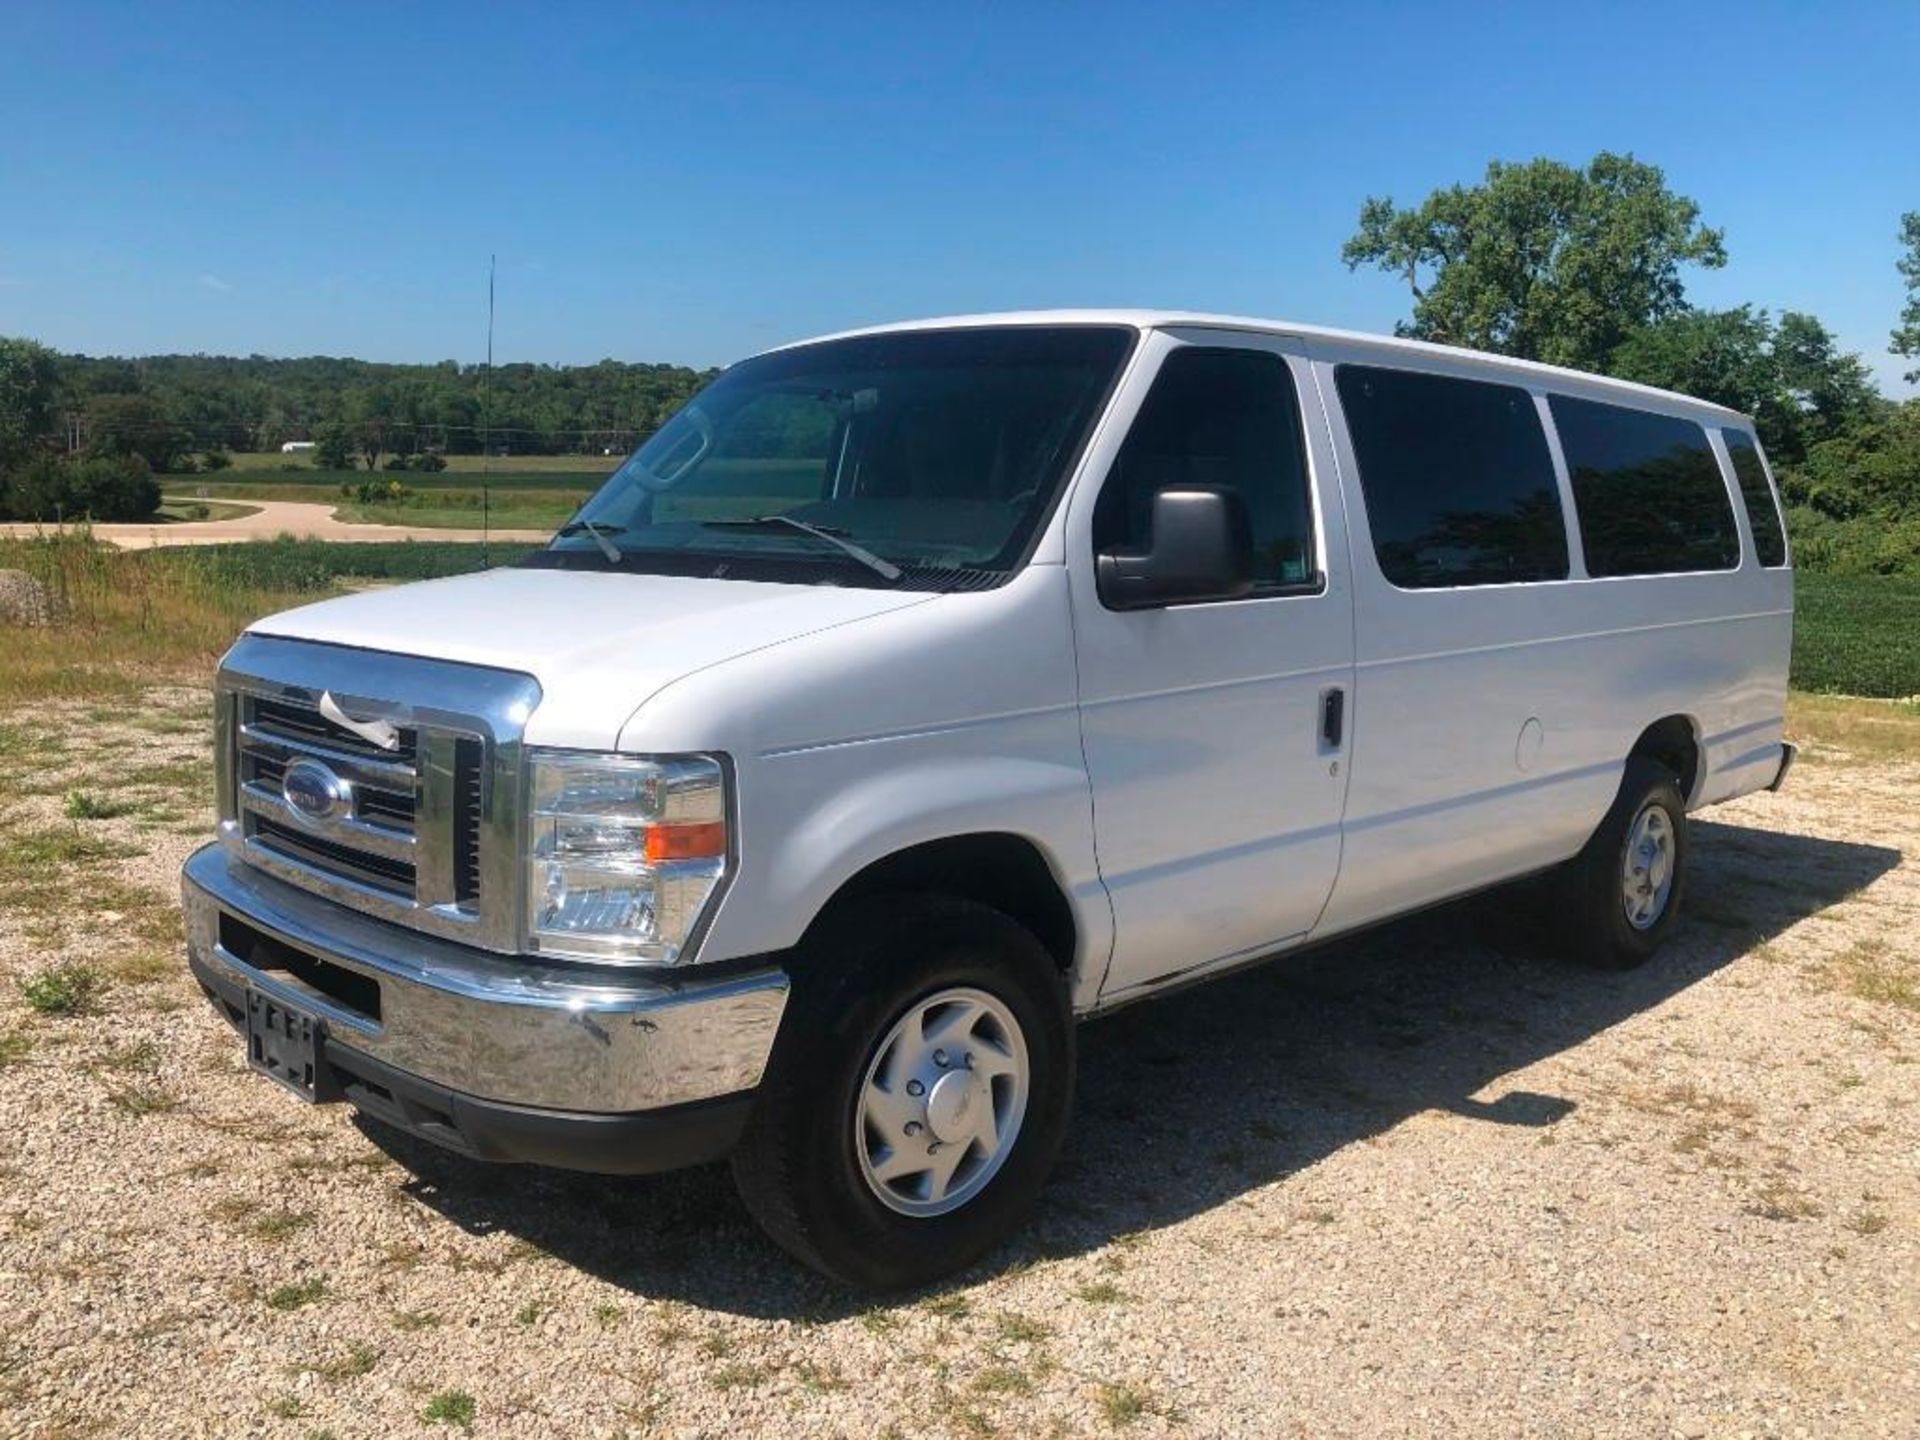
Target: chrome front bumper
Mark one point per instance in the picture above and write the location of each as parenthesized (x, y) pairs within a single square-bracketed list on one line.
[(494, 1027)]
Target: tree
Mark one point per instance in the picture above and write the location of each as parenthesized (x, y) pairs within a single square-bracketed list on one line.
[(1541, 260), (104, 488), (122, 425), (1906, 339), (333, 447), (1792, 377), (29, 382)]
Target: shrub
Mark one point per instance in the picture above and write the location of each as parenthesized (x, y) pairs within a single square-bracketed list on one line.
[(397, 462), (102, 488), (216, 459), (429, 463)]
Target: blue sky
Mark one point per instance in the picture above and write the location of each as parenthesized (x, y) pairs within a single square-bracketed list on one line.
[(697, 182)]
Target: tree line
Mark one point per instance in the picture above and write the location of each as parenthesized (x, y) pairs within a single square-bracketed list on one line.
[(1584, 266)]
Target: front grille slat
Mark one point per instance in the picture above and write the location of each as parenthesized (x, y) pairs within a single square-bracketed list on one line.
[(372, 843)]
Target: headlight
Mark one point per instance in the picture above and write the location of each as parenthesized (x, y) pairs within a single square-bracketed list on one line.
[(624, 853)]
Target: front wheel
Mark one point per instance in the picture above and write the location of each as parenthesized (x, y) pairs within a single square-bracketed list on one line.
[(918, 1093), (1621, 894)]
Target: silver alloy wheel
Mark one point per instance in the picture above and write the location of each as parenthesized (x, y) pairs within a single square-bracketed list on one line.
[(1646, 870), (942, 1101)]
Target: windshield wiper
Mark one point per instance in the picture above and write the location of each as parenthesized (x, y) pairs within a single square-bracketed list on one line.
[(873, 562), (598, 531)]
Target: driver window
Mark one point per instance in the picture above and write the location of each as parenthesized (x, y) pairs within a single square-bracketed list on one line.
[(1227, 419)]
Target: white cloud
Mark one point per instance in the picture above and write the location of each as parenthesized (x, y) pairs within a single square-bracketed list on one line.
[(214, 282)]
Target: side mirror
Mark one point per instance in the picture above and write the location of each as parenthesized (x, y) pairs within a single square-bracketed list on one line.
[(1201, 548)]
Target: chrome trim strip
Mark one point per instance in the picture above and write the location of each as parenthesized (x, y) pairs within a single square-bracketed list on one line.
[(357, 769), (523, 1032), (379, 840)]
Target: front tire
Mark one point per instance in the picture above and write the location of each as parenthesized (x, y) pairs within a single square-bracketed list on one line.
[(1620, 896), (918, 1093)]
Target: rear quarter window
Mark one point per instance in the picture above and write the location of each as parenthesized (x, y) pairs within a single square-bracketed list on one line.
[(1763, 513), (1646, 490), (1458, 481)]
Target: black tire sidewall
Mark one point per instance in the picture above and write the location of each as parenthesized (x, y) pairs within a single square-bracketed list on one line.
[(852, 984), (1612, 940)]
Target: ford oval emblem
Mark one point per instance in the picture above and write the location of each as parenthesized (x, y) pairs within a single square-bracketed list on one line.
[(313, 793)]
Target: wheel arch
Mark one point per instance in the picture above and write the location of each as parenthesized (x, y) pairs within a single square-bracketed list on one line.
[(1674, 741), (1006, 871)]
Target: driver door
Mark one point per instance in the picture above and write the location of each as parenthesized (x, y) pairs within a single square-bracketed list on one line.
[(1215, 733)]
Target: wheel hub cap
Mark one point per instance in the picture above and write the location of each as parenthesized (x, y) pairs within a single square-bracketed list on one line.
[(1646, 871), (942, 1102)]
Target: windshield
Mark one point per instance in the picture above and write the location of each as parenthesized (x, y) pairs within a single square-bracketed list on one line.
[(904, 458)]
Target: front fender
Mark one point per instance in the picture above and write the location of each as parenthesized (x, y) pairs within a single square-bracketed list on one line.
[(810, 822)]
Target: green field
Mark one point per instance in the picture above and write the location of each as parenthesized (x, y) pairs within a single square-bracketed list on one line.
[(518, 472), (1857, 635)]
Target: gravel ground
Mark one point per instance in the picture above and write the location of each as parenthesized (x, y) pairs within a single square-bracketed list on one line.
[(1423, 1182)]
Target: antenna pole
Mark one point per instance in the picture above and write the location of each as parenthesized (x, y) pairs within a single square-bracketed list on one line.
[(486, 431)]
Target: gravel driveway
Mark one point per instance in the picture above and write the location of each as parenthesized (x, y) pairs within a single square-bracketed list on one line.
[(1424, 1182)]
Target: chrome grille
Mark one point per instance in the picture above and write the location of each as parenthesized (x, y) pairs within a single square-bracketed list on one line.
[(372, 842), (425, 832)]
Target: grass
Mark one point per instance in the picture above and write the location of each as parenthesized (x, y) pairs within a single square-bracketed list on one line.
[(461, 470), (66, 989), (15, 1046), (451, 1407), (1857, 635), (131, 620), (88, 805), (302, 1293)]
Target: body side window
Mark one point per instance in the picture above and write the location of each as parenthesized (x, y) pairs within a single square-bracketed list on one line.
[(1763, 511), (1648, 493), (1459, 483)]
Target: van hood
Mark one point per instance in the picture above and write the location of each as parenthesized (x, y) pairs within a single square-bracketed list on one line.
[(600, 644)]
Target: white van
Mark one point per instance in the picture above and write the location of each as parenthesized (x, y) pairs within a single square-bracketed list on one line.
[(917, 692)]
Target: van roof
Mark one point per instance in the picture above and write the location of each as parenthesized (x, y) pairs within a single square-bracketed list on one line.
[(1387, 345)]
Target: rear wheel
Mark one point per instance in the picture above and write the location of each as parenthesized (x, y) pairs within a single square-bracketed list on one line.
[(917, 1096), (1620, 896)]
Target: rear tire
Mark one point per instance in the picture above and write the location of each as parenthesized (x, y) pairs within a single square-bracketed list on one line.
[(915, 1021), (1620, 896)]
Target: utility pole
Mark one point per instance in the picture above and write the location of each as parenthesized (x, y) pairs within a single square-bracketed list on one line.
[(486, 432)]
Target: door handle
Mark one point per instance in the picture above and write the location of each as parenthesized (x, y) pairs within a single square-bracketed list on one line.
[(1333, 716)]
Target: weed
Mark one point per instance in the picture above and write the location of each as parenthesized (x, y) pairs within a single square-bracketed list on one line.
[(280, 1224), (1102, 1292), (69, 989), (1015, 1327), (412, 1320), (1867, 1222), (947, 1307), (294, 1296), (1002, 1380), (451, 1407), (528, 1314), (14, 1046), (87, 805), (1122, 1404), (287, 1407), (140, 1101), (358, 1360), (607, 1314), (735, 1376)]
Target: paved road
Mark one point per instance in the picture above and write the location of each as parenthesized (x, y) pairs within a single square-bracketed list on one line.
[(274, 518)]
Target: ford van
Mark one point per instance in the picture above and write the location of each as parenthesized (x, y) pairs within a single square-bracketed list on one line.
[(916, 693)]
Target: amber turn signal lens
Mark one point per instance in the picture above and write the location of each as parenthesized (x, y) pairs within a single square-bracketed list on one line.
[(686, 842)]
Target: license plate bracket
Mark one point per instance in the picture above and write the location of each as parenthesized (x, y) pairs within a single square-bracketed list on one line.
[(285, 1043)]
